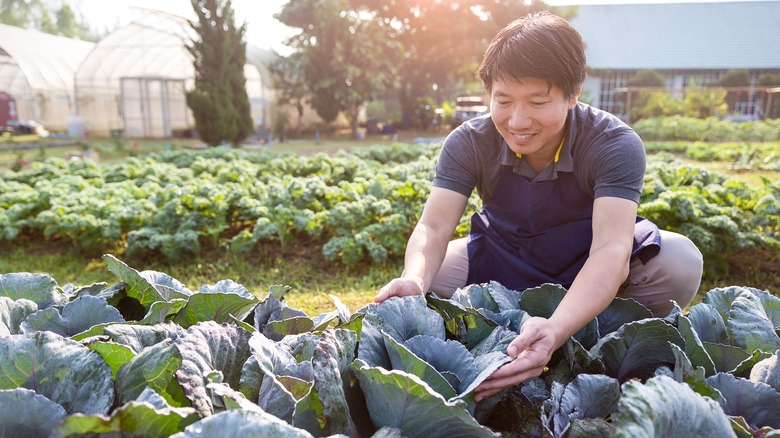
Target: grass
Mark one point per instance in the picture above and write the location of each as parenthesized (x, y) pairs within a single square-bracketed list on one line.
[(311, 278), (753, 267), (105, 151), (749, 177), (110, 151)]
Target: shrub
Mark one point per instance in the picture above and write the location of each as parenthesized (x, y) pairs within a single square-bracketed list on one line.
[(709, 129)]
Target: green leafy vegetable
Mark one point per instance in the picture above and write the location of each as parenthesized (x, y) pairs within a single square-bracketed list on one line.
[(62, 370), (663, 407)]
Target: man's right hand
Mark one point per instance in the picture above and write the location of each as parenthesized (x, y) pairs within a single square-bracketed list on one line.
[(400, 287)]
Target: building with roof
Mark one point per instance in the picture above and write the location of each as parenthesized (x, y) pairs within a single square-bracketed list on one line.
[(689, 44), (37, 70), (134, 80)]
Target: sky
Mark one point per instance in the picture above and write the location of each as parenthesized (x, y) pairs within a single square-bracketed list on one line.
[(263, 30)]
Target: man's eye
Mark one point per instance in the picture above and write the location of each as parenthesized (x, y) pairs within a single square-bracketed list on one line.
[(539, 103)]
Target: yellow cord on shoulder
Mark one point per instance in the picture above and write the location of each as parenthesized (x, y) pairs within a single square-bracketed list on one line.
[(557, 153)]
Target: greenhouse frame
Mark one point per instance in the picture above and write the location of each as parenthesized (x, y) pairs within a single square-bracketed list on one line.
[(37, 69), (130, 83), (133, 82)]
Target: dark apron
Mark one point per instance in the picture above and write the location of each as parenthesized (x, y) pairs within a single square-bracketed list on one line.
[(531, 233)]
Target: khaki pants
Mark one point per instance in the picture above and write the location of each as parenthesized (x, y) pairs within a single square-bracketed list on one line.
[(673, 274)]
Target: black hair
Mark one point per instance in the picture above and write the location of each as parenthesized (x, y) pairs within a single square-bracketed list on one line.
[(540, 45)]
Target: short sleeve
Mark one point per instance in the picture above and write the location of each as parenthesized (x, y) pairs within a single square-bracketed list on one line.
[(618, 168), (455, 169)]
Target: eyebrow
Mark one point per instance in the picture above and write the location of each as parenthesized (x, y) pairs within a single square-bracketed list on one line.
[(535, 94)]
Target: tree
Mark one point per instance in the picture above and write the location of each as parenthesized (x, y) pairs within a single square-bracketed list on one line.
[(345, 56), (734, 78), (639, 103), (17, 13), (769, 79), (67, 25), (219, 102), (46, 25), (287, 79), (36, 14), (443, 40), (646, 78)]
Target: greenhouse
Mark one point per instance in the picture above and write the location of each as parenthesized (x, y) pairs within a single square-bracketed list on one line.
[(133, 81), (37, 71)]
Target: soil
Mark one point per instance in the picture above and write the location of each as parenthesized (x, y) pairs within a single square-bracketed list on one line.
[(755, 267)]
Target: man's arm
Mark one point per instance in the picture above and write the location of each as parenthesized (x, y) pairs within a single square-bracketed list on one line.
[(428, 244), (593, 289)]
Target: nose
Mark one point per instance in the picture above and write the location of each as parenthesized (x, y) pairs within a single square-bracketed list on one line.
[(519, 118)]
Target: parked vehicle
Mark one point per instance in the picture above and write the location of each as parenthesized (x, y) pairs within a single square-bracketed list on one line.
[(8, 116), (469, 106)]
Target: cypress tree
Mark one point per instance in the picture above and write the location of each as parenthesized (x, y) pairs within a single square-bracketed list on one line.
[(219, 102)]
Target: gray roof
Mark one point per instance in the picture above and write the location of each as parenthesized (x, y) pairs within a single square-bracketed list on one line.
[(715, 35)]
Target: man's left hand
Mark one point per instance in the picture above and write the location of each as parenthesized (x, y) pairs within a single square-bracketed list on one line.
[(532, 349)]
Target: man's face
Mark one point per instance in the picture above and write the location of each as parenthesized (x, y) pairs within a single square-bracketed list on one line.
[(530, 116)]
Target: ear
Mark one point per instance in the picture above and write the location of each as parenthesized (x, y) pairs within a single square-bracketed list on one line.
[(574, 97)]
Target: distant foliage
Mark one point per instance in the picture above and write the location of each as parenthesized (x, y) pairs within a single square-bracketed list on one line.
[(717, 213), (733, 78), (767, 79), (739, 155), (289, 85), (37, 14), (646, 78), (710, 129), (699, 104), (344, 56)]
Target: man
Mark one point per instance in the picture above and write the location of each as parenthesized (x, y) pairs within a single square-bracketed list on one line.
[(560, 183)]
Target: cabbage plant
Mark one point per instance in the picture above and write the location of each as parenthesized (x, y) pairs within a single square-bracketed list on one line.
[(146, 356)]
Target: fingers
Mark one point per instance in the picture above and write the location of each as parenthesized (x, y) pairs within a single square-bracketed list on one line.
[(384, 293), (519, 370), (532, 349), (493, 386), (399, 287), (530, 332), (518, 344), (387, 291), (528, 360)]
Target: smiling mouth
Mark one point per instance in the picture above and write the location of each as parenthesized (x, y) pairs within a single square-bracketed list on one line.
[(522, 137)]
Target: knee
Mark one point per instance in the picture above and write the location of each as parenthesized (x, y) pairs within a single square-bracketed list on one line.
[(673, 274), (682, 265)]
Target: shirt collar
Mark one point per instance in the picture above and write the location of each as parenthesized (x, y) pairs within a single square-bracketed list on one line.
[(565, 162)]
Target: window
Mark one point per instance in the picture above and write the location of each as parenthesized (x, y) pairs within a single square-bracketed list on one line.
[(609, 100), (700, 78)]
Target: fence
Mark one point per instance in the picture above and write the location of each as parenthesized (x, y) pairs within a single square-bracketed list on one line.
[(759, 103)]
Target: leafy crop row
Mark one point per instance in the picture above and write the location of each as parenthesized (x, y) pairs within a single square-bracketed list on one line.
[(715, 212), (147, 356), (740, 156), (356, 206), (353, 205), (710, 129)]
